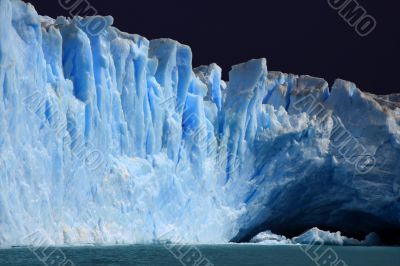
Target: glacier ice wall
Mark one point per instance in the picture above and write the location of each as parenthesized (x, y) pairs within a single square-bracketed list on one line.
[(112, 138)]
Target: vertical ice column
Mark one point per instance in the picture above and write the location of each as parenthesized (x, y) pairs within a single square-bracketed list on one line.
[(245, 92), (174, 73)]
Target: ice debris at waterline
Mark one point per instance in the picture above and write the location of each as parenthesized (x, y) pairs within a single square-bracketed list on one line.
[(315, 236), (112, 138)]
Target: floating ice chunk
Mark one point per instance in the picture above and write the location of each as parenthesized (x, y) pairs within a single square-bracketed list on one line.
[(269, 238), (316, 236)]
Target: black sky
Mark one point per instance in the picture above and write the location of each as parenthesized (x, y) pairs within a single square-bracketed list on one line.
[(301, 37)]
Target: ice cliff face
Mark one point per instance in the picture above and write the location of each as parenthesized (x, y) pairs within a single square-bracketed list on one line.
[(111, 138)]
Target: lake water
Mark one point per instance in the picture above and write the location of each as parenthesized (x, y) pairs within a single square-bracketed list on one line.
[(217, 255)]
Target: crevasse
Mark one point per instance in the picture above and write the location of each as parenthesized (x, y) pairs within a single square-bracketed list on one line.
[(112, 139)]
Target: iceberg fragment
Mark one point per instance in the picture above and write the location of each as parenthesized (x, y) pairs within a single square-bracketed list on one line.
[(315, 236), (269, 238)]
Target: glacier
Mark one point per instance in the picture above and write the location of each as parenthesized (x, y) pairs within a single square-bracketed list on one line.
[(111, 138)]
